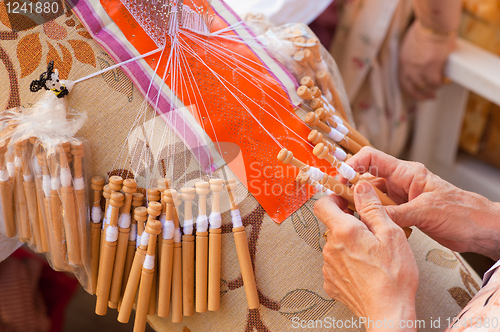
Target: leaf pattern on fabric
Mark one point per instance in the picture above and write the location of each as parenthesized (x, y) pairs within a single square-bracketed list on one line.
[(460, 296), (63, 64), (116, 78), (468, 282), (85, 34), (305, 304), (4, 17), (29, 53), (83, 52), (186, 329), (442, 259), (307, 227), (54, 30)]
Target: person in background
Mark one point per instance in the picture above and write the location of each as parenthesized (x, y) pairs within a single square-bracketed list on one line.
[(383, 63), (368, 263), (426, 46)]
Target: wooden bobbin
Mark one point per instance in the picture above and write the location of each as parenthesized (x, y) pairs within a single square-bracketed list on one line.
[(129, 187), (95, 234), (240, 240), (315, 48), (176, 289), (154, 195), (300, 58), (163, 184), (214, 250), (304, 93), (326, 117), (106, 193), (108, 253), (310, 59), (316, 103), (315, 137), (322, 152), (58, 247), (137, 201), (140, 214), (148, 272), (316, 92), (21, 205), (307, 81), (299, 42), (202, 189), (78, 152), (7, 196), (313, 120), (188, 195), (70, 217), (40, 196), (115, 183), (31, 198), (325, 82), (166, 264)]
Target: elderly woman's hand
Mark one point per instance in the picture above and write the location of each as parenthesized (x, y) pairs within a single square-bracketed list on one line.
[(459, 220), (369, 265), (422, 59)]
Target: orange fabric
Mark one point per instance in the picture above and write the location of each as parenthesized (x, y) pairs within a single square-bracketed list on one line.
[(269, 181)]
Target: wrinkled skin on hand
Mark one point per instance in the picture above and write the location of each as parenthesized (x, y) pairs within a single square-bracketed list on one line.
[(458, 219), (369, 265)]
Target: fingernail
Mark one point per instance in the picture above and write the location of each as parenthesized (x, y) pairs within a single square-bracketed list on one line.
[(363, 188)]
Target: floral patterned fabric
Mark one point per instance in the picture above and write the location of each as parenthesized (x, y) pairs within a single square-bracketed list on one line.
[(287, 258), (366, 49)]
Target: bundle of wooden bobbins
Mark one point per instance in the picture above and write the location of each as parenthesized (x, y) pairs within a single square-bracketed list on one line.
[(142, 255), (43, 196)]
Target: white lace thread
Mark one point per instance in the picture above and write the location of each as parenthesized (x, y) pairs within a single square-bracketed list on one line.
[(11, 169), (215, 220), (145, 239), (188, 227), (17, 162), (343, 129), (55, 183), (236, 218), (132, 235), (28, 178), (340, 154), (177, 235), (336, 135), (46, 185), (96, 214), (202, 223), (347, 171), (125, 220), (38, 168), (315, 174), (4, 176), (337, 119), (106, 217), (66, 177), (79, 184), (168, 231), (149, 262), (111, 233)]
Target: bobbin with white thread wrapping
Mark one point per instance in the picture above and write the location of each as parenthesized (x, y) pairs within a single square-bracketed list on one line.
[(201, 298), (129, 187), (214, 246), (240, 240), (188, 309), (7, 195), (137, 201), (167, 256), (148, 269), (108, 253), (95, 231)]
